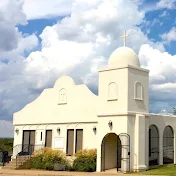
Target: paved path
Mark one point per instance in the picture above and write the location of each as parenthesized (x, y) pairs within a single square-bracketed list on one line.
[(4, 172)]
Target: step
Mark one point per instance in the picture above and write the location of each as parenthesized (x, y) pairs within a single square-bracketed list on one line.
[(13, 161), (11, 164), (24, 156), (16, 162), (19, 161), (9, 167)]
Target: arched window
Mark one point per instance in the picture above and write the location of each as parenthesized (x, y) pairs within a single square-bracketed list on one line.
[(138, 91), (168, 145), (112, 91), (62, 96), (153, 145)]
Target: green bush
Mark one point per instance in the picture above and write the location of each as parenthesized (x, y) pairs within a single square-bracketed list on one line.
[(85, 160), (49, 159), (6, 144)]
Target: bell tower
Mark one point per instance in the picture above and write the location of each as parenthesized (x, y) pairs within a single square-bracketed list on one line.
[(123, 85)]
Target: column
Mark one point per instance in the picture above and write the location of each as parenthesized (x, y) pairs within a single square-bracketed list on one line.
[(140, 144), (17, 144), (98, 169), (161, 147), (174, 148), (147, 142)]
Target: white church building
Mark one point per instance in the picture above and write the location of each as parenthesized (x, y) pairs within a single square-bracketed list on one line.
[(116, 122)]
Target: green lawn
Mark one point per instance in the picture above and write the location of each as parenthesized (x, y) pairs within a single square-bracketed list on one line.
[(169, 170)]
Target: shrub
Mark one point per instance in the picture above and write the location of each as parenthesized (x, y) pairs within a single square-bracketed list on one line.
[(47, 158), (85, 160), (6, 144)]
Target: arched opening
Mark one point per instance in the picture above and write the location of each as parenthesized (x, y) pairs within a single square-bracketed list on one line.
[(62, 96), (112, 93), (111, 150), (168, 145), (153, 145), (138, 91)]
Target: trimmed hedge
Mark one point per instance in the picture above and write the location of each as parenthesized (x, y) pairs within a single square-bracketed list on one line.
[(85, 160), (49, 159)]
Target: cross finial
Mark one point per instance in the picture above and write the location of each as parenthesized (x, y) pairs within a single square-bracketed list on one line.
[(124, 36)]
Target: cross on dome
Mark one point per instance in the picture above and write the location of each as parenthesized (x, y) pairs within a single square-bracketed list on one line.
[(124, 36)]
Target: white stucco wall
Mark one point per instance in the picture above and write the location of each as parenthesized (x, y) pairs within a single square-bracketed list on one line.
[(88, 133), (161, 121), (141, 76), (119, 125), (119, 77)]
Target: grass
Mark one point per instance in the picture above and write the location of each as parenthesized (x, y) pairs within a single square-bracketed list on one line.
[(169, 170)]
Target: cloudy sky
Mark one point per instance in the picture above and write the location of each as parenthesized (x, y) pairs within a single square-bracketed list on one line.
[(40, 40)]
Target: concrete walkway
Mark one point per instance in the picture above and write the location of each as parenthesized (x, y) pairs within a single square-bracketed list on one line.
[(5, 172)]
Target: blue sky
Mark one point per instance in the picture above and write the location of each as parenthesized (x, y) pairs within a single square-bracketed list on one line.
[(43, 40), (37, 25), (163, 25)]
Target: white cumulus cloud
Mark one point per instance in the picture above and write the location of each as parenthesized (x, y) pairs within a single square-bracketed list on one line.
[(162, 67), (13, 45), (10, 16), (170, 36), (168, 4), (81, 43), (45, 9)]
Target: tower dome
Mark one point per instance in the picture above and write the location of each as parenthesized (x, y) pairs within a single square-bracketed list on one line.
[(123, 56)]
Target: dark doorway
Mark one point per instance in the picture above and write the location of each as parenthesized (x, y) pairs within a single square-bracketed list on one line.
[(70, 142), (153, 145), (111, 150), (79, 140), (48, 138), (168, 145), (28, 142)]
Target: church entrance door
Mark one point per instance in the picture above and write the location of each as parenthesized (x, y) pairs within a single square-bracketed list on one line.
[(111, 150), (28, 142), (48, 139)]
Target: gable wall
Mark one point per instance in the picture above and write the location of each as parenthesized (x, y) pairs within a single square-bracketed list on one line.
[(81, 106)]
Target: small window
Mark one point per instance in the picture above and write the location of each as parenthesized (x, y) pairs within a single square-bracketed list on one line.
[(41, 136), (62, 96), (112, 91), (138, 91)]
